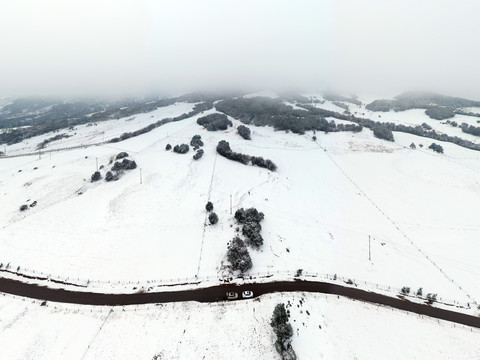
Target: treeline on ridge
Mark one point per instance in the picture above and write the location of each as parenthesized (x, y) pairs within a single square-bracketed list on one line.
[(260, 111)]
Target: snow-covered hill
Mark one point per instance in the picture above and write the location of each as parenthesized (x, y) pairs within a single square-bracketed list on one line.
[(323, 204)]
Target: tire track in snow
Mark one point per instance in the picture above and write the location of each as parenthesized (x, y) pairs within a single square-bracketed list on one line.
[(206, 215)]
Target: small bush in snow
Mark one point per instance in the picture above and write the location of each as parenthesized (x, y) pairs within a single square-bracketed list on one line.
[(198, 154), (436, 147), (213, 218), (109, 176), (405, 290), (412, 146), (121, 155), (419, 292), (431, 297), (96, 176), (181, 149), (168, 147), (209, 206), (244, 132), (23, 207)]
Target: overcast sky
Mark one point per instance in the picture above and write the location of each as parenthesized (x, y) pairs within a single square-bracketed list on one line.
[(117, 47)]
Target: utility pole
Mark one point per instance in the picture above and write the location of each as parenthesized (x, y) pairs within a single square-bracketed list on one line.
[(96, 160), (140, 176), (369, 249), (230, 204)]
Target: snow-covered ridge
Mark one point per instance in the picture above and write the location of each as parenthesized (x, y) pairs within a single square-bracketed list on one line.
[(323, 206)]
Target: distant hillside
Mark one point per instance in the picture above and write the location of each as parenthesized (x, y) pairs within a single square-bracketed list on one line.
[(422, 100), (24, 118)]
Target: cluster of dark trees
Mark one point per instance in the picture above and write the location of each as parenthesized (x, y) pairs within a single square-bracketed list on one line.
[(214, 122), (212, 217), (117, 168), (198, 154), (426, 126), (382, 132), (260, 111), (436, 147), (420, 100), (53, 138), (238, 255), (431, 297), (415, 130), (197, 142), (124, 165), (223, 148), (452, 123), (196, 110), (26, 207), (244, 132), (250, 219), (181, 149), (470, 129), (283, 330), (440, 112), (466, 113)]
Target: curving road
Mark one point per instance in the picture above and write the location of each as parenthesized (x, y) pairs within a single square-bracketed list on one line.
[(218, 293)]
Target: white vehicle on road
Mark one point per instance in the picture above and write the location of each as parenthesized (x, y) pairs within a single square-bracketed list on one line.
[(231, 295), (247, 294)]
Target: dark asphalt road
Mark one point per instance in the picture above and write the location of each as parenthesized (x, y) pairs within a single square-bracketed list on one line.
[(218, 293)]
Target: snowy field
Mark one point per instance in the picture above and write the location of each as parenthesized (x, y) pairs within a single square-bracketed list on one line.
[(325, 327), (321, 206)]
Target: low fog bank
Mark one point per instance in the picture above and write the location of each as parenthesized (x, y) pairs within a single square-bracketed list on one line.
[(119, 48)]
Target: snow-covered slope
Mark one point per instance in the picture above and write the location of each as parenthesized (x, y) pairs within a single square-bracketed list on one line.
[(325, 327), (327, 199), (321, 206)]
